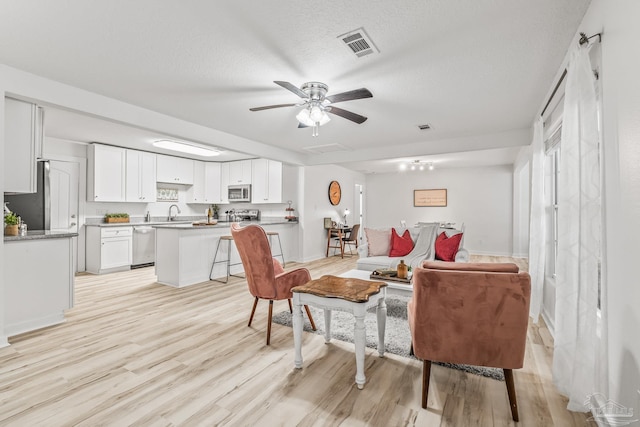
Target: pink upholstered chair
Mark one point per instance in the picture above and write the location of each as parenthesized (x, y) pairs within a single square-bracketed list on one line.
[(265, 276), (470, 313)]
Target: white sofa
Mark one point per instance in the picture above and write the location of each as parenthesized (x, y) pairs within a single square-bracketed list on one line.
[(370, 263)]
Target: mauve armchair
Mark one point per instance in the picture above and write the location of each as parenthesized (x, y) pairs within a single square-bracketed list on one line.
[(265, 276), (470, 313)]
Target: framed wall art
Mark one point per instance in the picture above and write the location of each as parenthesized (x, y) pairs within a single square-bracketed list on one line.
[(430, 198)]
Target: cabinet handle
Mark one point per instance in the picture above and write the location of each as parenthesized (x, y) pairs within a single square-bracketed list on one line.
[(72, 224)]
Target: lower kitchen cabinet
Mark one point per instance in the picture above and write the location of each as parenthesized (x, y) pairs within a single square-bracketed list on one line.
[(109, 249), (38, 278)]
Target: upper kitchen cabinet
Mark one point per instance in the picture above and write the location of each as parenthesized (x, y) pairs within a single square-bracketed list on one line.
[(141, 177), (174, 170), (224, 182), (106, 173), (240, 172), (23, 135), (206, 183), (273, 182)]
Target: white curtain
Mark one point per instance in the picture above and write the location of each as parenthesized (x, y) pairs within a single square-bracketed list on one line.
[(537, 230), (575, 361)]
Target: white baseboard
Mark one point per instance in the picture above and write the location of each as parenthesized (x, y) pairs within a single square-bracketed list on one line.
[(3, 341), (550, 323)]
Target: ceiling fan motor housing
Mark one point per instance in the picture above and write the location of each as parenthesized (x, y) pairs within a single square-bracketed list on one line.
[(315, 90)]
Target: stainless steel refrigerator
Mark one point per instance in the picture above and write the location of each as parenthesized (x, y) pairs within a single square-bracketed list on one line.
[(34, 208)]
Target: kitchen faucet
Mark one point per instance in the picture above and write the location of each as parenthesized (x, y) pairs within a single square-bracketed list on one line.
[(173, 217)]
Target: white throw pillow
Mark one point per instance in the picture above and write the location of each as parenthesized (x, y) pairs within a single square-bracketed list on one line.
[(379, 241)]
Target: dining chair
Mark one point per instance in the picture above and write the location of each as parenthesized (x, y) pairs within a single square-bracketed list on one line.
[(265, 276), (352, 238)]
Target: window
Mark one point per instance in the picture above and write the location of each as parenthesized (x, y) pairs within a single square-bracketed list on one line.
[(552, 150)]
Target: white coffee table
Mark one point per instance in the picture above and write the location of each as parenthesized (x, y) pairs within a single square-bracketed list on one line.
[(343, 294), (393, 288)]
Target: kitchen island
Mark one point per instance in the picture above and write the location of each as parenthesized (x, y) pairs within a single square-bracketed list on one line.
[(38, 277), (184, 252)]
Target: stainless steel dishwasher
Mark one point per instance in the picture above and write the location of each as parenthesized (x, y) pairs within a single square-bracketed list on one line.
[(144, 246)]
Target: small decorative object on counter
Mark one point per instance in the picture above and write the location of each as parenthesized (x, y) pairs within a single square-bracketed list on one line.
[(11, 224), (290, 212), (116, 217), (215, 209), (147, 218), (402, 270)]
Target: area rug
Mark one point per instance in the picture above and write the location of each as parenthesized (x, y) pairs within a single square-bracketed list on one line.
[(397, 334)]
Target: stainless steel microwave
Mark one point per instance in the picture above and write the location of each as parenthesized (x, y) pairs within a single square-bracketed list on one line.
[(240, 193)]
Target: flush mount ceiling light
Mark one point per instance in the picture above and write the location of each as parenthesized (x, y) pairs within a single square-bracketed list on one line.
[(184, 147), (416, 165), (316, 104)]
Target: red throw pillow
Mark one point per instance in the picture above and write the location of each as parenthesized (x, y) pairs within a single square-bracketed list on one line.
[(447, 247), (400, 245)]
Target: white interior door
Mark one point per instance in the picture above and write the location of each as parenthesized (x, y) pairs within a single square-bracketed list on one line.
[(64, 193)]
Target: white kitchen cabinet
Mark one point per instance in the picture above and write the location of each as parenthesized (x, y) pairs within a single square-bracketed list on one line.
[(240, 172), (224, 182), (23, 135), (109, 249), (106, 173), (212, 182), (38, 278), (174, 170), (196, 192), (140, 176), (206, 183), (267, 181)]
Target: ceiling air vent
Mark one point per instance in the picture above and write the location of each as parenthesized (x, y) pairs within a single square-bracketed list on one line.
[(359, 42), (328, 148), (424, 127)]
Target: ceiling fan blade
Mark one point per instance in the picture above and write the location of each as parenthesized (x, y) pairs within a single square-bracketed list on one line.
[(292, 88), (346, 114), (348, 96), (271, 106)]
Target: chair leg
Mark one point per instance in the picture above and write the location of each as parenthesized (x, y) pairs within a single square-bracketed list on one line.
[(269, 324), (313, 325), (511, 391), (426, 372), (253, 310), (290, 306)]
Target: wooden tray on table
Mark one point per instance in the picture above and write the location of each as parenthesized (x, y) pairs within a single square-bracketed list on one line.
[(388, 275)]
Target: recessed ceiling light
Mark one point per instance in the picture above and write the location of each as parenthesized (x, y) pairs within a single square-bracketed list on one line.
[(183, 147)]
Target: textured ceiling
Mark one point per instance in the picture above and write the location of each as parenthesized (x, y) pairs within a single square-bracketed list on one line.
[(468, 68)]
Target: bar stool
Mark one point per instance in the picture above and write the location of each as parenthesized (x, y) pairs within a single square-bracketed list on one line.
[(228, 239), (281, 254)]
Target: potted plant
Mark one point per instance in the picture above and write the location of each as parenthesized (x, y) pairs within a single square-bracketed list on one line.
[(10, 224), (116, 217), (216, 209)]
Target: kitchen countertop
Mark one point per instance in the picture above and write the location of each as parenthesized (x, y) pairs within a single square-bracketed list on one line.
[(40, 234), (181, 223), (221, 224)]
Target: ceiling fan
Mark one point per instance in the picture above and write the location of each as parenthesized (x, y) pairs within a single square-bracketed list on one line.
[(317, 104)]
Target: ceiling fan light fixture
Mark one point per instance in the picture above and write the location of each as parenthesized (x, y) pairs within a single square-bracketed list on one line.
[(184, 147), (304, 117)]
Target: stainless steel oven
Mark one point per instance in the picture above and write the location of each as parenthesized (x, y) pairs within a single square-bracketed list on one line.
[(240, 193)]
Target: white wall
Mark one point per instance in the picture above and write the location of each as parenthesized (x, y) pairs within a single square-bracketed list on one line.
[(316, 205), (621, 114), (3, 338), (481, 198)]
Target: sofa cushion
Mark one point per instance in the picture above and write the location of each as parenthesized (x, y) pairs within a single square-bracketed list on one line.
[(400, 245), (446, 247), (379, 241)]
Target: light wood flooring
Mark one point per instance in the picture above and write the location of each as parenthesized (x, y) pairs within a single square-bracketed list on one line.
[(133, 352)]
